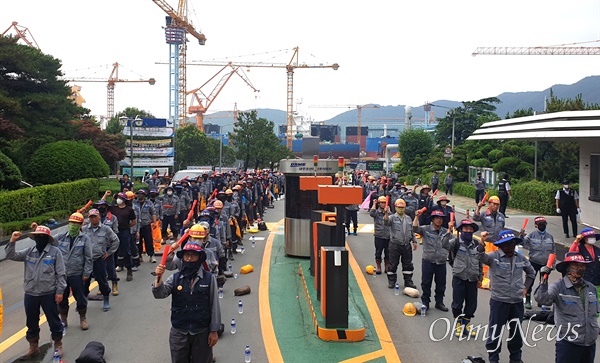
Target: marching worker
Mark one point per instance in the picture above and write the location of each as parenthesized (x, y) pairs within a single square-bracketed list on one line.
[(442, 205), (104, 244), (45, 281), (153, 182), (126, 219), (575, 310), (493, 220), (449, 183), (425, 201), (567, 205), (378, 212), (540, 245), (401, 236), (110, 220), (195, 311), (433, 265), (352, 216), (467, 275), (170, 213), (585, 244), (506, 270), (76, 249), (412, 202), (146, 221)]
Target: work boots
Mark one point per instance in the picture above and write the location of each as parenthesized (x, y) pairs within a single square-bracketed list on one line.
[(82, 320), (378, 263), (58, 346), (458, 328), (115, 288), (386, 263), (34, 349), (467, 329), (528, 301), (408, 282), (106, 305), (392, 280), (129, 275)]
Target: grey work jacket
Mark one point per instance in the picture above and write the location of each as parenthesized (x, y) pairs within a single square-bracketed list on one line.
[(146, 212), (489, 223), (540, 246), (169, 205), (506, 274), (104, 240), (466, 262), (433, 240), (78, 259), (576, 320), (44, 272), (381, 231), (400, 229)]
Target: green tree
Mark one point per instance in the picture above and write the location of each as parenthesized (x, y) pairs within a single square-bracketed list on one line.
[(413, 142), (10, 175), (193, 147), (110, 147), (66, 161), (114, 127)]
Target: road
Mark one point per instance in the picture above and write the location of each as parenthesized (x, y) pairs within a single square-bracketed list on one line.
[(137, 326)]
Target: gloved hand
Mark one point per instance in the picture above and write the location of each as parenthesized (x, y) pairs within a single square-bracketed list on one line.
[(545, 270), (578, 210), (558, 210)]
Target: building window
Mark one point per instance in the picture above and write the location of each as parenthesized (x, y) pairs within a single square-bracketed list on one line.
[(595, 177)]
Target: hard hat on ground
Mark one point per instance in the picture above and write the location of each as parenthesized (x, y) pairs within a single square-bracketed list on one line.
[(370, 269), (409, 309)]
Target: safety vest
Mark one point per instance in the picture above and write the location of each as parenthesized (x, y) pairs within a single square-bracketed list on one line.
[(190, 307)]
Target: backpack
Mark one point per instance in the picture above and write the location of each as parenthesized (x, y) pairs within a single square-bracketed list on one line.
[(262, 226)]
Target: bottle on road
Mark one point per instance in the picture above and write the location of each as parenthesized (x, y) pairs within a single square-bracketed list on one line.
[(233, 327), (247, 356), (240, 307)]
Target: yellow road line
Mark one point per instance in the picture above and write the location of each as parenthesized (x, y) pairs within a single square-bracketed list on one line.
[(365, 357), (387, 345), (21, 333), (266, 322)]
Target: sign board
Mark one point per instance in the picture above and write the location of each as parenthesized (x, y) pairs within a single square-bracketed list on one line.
[(306, 166), (138, 172), (448, 152), (145, 151), (375, 165), (148, 162), (149, 131), (149, 143)]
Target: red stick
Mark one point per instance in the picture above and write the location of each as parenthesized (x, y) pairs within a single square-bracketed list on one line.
[(435, 193), (168, 248), (524, 224), (550, 263), (485, 198), (387, 202), (89, 204), (422, 210), (191, 213), (451, 216)]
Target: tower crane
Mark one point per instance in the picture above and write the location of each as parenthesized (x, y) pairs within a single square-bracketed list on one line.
[(201, 109), (22, 33), (112, 80), (290, 67), (359, 117), (563, 49), (178, 26)]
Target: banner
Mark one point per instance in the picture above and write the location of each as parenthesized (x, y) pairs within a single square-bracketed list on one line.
[(149, 143), (145, 151), (149, 131), (148, 162), (138, 172)]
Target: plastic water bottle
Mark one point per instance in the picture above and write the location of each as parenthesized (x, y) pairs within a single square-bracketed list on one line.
[(397, 289), (240, 307), (423, 310), (220, 292), (253, 241), (56, 357), (247, 356), (243, 250), (233, 327), (230, 267)]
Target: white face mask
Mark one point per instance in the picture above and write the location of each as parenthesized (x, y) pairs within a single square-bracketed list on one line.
[(119, 201), (591, 240), (169, 193), (566, 186), (443, 203)]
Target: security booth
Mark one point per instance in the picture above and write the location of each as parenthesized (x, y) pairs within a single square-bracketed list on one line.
[(299, 204)]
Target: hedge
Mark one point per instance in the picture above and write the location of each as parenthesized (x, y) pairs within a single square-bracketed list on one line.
[(28, 203), (6, 229)]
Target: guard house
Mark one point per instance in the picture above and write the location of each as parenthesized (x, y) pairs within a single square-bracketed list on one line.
[(582, 127)]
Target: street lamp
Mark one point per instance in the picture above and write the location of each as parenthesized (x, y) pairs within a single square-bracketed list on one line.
[(124, 120), (221, 145)]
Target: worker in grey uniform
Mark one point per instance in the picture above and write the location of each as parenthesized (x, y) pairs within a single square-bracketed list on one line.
[(104, 244), (45, 281), (540, 244), (576, 310), (169, 213), (492, 221), (110, 220), (401, 246), (146, 220), (381, 235), (506, 268)]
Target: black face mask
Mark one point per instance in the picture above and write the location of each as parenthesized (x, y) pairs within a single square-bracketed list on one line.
[(40, 242), (102, 210), (189, 269), (541, 227)]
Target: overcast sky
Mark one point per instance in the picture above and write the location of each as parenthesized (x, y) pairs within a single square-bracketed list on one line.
[(389, 52)]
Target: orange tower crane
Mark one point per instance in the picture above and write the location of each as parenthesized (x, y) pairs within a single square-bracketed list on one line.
[(21, 33), (201, 108), (290, 67), (112, 80)]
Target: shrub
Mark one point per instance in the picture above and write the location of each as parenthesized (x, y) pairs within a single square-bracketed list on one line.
[(6, 229), (64, 161), (10, 175)]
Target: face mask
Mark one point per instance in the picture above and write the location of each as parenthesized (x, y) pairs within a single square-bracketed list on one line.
[(565, 186), (102, 210), (575, 274), (191, 268), (141, 198), (169, 193), (400, 210), (74, 229), (541, 227), (40, 242), (467, 236), (591, 240), (119, 201), (443, 203)]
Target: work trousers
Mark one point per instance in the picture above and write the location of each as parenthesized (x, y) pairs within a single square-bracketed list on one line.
[(429, 271), (351, 216), (567, 352), (502, 315), (503, 202), (434, 187), (169, 221), (187, 348), (146, 240), (448, 189), (400, 253), (479, 193), (100, 276), (74, 285), (133, 246), (464, 292), (572, 215), (110, 268), (124, 259), (381, 246), (48, 304)]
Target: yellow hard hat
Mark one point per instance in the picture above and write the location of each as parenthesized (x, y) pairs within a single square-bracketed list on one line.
[(218, 204), (370, 269), (229, 191), (76, 218), (494, 199), (400, 203), (409, 309), (197, 231), (381, 199), (130, 195)]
